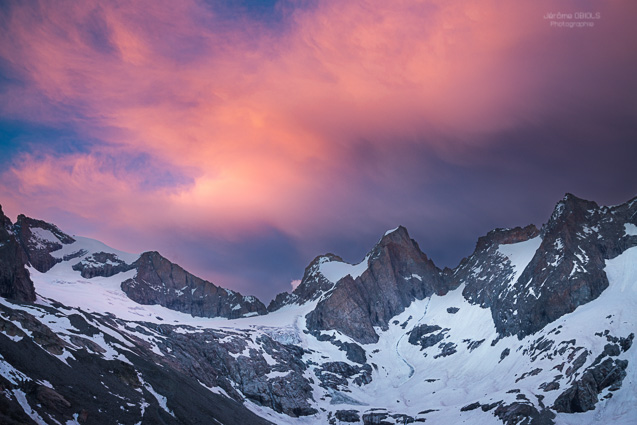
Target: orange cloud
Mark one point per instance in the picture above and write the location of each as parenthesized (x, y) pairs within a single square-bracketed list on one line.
[(262, 123)]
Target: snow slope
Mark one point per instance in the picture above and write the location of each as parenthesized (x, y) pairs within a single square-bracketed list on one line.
[(405, 378)]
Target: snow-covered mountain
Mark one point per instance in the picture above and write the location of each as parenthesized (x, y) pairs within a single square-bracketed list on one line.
[(535, 327)]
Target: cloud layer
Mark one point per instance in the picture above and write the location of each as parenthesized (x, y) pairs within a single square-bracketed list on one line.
[(206, 130)]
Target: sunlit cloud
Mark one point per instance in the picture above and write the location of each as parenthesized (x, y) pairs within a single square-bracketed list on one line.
[(295, 283), (326, 119)]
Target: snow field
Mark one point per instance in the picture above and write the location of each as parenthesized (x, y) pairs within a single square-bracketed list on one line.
[(404, 380)]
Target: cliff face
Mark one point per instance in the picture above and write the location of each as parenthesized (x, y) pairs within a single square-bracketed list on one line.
[(397, 274), (527, 277), (486, 273), (565, 271), (158, 281), (313, 285), (39, 239), (15, 282)]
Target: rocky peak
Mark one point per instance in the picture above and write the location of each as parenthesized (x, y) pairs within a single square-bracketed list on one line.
[(569, 212), (28, 223), (487, 272), (312, 286), (5, 222), (314, 283), (567, 270), (15, 282), (38, 239), (159, 281), (399, 236), (397, 273)]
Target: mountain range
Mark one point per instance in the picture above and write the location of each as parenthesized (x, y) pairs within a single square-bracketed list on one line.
[(535, 327)]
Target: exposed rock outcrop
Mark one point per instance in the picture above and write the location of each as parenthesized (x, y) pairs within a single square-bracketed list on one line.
[(584, 393), (424, 335), (565, 271), (159, 281), (487, 272), (524, 413), (65, 382), (103, 264), (15, 282), (568, 268), (240, 368), (38, 239), (312, 286), (397, 274)]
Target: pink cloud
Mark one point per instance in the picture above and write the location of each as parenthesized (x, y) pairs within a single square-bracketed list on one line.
[(262, 123)]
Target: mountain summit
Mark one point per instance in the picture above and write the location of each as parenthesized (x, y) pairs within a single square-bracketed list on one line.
[(396, 274), (536, 326)]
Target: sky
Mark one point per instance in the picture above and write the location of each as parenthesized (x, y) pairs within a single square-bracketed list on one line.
[(241, 139)]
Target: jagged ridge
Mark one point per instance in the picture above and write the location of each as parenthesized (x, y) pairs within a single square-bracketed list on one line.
[(397, 319)]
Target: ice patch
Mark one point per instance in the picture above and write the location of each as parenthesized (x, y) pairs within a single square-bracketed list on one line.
[(76, 417), (336, 270), (43, 236), (10, 373), (273, 375), (160, 398), (268, 359), (22, 400), (391, 231), (631, 229), (91, 246), (520, 255), (621, 270)]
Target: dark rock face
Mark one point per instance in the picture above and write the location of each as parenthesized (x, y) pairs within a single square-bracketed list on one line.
[(504, 353), (566, 271), (335, 375), (486, 272), (347, 416), (469, 407), (101, 264), (568, 268), (424, 335), (223, 359), (312, 286), (523, 414), (95, 390), (446, 349), (32, 235), (397, 274), (346, 312), (158, 281), (353, 352), (15, 282), (376, 418), (583, 394)]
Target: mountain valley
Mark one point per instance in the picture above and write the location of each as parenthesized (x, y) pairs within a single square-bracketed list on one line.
[(535, 327)]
